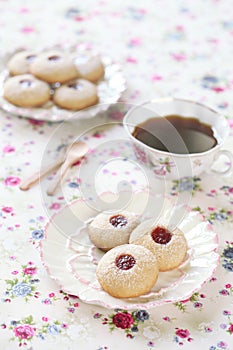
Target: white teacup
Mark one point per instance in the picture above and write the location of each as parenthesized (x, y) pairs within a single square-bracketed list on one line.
[(166, 164)]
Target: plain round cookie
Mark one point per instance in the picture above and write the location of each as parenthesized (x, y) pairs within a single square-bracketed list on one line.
[(54, 66), (76, 95), (89, 67), (107, 231), (20, 62), (169, 246), (127, 271), (26, 91)]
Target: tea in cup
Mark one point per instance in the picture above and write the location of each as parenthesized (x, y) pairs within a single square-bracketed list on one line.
[(178, 138)]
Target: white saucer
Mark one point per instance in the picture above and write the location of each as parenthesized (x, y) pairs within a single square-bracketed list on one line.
[(71, 259)]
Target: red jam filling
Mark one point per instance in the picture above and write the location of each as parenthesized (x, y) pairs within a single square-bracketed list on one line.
[(125, 262), (30, 58), (161, 235), (76, 86), (25, 83), (118, 221), (54, 58)]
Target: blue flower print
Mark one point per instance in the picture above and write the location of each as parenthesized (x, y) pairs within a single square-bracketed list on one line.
[(142, 315), (228, 266), (21, 289), (41, 336), (227, 256), (134, 329), (220, 216), (73, 185), (53, 329), (38, 234), (186, 184), (228, 25), (210, 79), (228, 253)]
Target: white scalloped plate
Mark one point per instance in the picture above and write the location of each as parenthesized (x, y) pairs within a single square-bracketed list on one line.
[(71, 259), (110, 89)]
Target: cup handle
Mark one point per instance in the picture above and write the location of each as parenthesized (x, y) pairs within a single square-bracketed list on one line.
[(226, 154)]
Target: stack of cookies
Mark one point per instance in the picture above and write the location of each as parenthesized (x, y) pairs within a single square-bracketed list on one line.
[(68, 80)]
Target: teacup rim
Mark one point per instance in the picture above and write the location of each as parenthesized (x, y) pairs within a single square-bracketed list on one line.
[(173, 154)]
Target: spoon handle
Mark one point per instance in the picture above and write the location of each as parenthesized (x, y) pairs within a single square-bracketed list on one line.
[(34, 178), (58, 178)]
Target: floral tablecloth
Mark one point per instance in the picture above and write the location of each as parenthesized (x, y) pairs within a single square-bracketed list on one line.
[(166, 48)]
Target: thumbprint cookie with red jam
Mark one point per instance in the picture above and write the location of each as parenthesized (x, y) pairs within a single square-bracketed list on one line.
[(168, 246), (127, 271), (107, 231)]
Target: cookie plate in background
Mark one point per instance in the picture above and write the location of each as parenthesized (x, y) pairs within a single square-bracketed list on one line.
[(71, 259), (110, 90)]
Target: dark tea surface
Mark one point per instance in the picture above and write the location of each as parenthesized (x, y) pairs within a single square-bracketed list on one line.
[(176, 134)]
